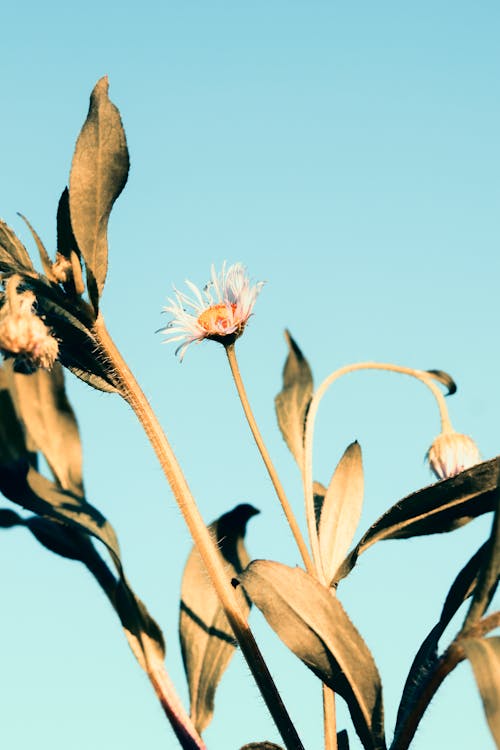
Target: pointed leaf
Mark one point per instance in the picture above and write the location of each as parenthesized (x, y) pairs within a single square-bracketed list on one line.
[(44, 256), (342, 740), (442, 377), (98, 175), (44, 410), (207, 639), (341, 510), (427, 655), (441, 507), (293, 401), (12, 249), (261, 746), (488, 576), (484, 656), (314, 625)]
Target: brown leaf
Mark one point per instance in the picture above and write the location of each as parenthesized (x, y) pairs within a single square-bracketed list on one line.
[(314, 625), (207, 640), (293, 400)]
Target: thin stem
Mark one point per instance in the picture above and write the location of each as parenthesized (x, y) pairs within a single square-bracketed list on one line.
[(174, 710), (146, 654), (329, 718), (290, 517), (132, 393), (421, 375)]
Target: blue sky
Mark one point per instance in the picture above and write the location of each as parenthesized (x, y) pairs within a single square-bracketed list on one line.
[(348, 154)]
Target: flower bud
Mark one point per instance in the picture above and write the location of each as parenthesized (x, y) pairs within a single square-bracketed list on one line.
[(22, 333), (451, 453)]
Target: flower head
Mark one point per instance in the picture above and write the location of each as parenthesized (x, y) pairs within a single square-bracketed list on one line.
[(451, 453), (23, 334), (219, 312)]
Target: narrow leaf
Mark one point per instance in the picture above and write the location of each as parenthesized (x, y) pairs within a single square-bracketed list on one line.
[(341, 510), (342, 740), (484, 656), (488, 576), (427, 655), (314, 625), (293, 400), (445, 379), (441, 507), (44, 410), (98, 175), (12, 249), (207, 640), (44, 256)]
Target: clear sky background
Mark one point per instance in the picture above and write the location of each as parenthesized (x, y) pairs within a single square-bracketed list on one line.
[(348, 154)]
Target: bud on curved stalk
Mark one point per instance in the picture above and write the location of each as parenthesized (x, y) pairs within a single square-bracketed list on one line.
[(220, 311), (451, 453), (23, 334)]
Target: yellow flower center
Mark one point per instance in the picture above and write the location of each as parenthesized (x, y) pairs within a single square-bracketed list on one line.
[(218, 318)]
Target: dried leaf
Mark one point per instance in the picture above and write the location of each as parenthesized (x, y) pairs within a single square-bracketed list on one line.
[(342, 740), (488, 576), (445, 379), (341, 510), (44, 256), (207, 639), (484, 656), (293, 401), (441, 507), (12, 250), (44, 410), (427, 655), (314, 625), (98, 175)]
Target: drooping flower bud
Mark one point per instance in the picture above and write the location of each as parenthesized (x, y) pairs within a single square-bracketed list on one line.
[(22, 333), (451, 453)]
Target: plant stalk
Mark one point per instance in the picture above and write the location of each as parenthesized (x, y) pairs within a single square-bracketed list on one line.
[(290, 517), (329, 718), (421, 375), (132, 393)]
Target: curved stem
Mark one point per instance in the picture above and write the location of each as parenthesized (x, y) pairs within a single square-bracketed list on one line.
[(132, 393), (421, 375), (290, 517)]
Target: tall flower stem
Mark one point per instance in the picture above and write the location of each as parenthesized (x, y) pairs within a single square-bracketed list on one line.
[(421, 375), (290, 517), (132, 393)]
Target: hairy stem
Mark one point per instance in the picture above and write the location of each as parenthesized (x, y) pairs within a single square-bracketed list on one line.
[(132, 393), (290, 517)]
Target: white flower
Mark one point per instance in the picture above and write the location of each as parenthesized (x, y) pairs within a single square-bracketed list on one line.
[(451, 453), (219, 312)]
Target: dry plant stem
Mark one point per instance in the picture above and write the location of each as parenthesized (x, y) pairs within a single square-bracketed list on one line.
[(421, 375), (287, 510), (329, 719), (131, 392), (449, 660), (174, 710)]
